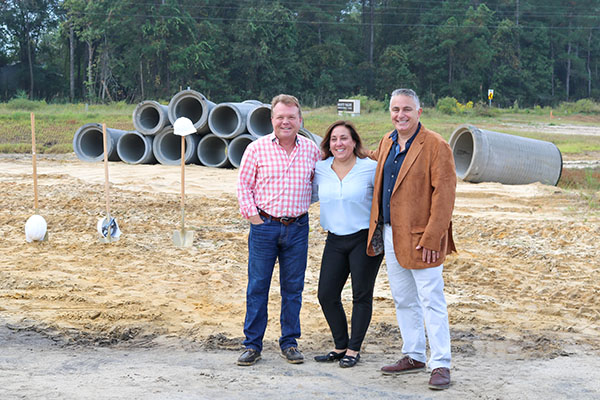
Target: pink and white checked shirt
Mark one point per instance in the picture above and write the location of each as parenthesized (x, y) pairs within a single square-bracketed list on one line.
[(276, 183)]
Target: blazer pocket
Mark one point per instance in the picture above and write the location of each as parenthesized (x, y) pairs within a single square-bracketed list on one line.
[(416, 234)]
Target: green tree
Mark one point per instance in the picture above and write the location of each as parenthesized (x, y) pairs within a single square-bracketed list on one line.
[(263, 55), (25, 21), (393, 71)]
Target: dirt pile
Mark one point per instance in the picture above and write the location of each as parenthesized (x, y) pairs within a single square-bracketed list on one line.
[(526, 275)]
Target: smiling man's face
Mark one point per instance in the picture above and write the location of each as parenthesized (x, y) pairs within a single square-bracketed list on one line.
[(405, 115)]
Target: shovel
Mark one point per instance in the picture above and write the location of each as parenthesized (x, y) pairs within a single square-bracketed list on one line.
[(108, 238), (182, 237), (34, 162)]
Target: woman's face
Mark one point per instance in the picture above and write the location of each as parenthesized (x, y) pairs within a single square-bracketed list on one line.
[(341, 143)]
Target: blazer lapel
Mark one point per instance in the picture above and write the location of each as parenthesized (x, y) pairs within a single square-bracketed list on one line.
[(411, 156)]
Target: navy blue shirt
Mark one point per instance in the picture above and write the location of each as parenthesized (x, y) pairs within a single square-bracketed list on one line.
[(392, 166)]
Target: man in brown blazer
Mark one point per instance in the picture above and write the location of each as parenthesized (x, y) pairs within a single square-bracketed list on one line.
[(415, 184)]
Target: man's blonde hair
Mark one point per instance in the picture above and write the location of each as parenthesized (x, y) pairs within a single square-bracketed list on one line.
[(288, 100)]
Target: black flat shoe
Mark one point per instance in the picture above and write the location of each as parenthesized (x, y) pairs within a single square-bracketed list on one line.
[(349, 361), (332, 356)]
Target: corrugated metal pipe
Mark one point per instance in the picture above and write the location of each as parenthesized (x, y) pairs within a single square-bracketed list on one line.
[(135, 148), (227, 120), (193, 105), (150, 117), (167, 147), (212, 151), (88, 144), (487, 156)]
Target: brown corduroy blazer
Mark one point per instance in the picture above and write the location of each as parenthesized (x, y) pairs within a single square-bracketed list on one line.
[(422, 199)]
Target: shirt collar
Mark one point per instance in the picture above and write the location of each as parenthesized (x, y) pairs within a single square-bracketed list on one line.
[(275, 139), (394, 135)]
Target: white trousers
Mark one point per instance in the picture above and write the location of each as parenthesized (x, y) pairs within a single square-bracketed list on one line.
[(419, 299)]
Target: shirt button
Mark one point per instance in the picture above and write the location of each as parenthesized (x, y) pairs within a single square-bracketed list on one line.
[(388, 190), (395, 162), (392, 175)]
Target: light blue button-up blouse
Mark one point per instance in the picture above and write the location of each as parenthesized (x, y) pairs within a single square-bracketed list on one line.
[(346, 203)]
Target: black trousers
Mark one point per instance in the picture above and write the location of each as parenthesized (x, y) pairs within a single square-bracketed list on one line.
[(346, 255)]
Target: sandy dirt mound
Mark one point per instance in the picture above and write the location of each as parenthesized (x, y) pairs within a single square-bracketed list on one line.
[(526, 276)]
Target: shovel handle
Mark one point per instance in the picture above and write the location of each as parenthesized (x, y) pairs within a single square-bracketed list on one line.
[(34, 162), (182, 182), (106, 186)]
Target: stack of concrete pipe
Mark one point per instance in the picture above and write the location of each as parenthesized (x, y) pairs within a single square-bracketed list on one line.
[(223, 132)]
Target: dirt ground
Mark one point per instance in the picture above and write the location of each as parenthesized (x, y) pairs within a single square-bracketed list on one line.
[(523, 293)]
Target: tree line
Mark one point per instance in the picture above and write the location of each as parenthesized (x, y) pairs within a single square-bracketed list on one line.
[(531, 52)]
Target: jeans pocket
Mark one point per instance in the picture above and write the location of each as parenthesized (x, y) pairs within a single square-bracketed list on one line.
[(302, 221)]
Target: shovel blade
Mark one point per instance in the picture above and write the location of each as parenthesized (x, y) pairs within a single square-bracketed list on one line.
[(183, 238), (107, 239)]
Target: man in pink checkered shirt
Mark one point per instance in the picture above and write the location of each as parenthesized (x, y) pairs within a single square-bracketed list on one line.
[(274, 191)]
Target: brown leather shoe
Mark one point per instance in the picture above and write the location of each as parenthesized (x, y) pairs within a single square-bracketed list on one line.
[(404, 366), (440, 379)]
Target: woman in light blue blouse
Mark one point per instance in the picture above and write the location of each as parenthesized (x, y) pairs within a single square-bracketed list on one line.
[(344, 186)]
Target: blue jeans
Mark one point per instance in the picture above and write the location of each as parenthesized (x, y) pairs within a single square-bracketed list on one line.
[(266, 243)]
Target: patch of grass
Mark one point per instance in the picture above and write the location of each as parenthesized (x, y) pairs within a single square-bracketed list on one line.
[(585, 182), (576, 147), (56, 124), (580, 179), (60, 148), (15, 148)]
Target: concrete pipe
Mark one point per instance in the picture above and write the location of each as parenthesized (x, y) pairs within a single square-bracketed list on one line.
[(237, 146), (212, 151), (315, 138), (193, 105), (167, 147), (258, 121), (89, 146), (135, 148), (227, 120), (488, 156), (256, 102), (150, 117)]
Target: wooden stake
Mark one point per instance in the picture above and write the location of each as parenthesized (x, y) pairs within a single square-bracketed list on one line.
[(34, 161), (182, 182), (106, 174)]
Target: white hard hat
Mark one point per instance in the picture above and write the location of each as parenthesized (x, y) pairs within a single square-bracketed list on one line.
[(35, 228), (103, 226), (183, 127)]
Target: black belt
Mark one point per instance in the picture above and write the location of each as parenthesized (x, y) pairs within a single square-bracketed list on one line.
[(284, 220)]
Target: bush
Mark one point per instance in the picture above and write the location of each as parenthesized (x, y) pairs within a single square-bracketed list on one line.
[(24, 104), (482, 109), (447, 105), (582, 106)]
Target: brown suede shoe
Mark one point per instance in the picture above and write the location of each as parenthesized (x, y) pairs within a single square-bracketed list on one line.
[(404, 366), (440, 379)]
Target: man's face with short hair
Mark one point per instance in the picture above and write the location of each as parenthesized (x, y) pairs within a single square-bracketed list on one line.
[(286, 121), (405, 115)]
